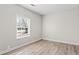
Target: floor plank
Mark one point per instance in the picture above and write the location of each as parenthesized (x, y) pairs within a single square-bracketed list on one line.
[(44, 47)]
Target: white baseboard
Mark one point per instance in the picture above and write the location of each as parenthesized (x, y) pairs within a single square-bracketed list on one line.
[(66, 42), (2, 52)]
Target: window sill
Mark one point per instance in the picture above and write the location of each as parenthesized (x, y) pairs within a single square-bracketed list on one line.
[(23, 36)]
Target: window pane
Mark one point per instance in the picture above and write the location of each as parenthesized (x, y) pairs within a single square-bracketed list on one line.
[(23, 26)]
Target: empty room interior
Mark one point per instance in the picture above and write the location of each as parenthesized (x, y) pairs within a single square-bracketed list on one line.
[(39, 29)]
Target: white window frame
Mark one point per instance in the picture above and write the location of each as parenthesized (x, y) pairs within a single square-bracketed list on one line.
[(21, 31)]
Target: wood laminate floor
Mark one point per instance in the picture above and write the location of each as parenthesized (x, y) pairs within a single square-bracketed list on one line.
[(44, 47)]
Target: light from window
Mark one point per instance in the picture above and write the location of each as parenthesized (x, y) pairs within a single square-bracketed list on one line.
[(22, 27)]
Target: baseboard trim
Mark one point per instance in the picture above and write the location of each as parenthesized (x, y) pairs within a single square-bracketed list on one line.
[(66, 42), (3, 52)]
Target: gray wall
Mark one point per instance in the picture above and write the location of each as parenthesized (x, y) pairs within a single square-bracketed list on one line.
[(8, 26), (62, 26)]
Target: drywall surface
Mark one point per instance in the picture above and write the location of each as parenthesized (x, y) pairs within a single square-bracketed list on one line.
[(62, 26), (8, 26)]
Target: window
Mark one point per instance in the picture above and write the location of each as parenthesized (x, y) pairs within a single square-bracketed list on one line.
[(22, 26)]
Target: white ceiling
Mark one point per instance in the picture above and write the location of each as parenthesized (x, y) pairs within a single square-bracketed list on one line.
[(44, 9)]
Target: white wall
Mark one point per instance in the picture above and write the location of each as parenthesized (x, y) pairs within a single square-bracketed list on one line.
[(8, 26), (62, 26)]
